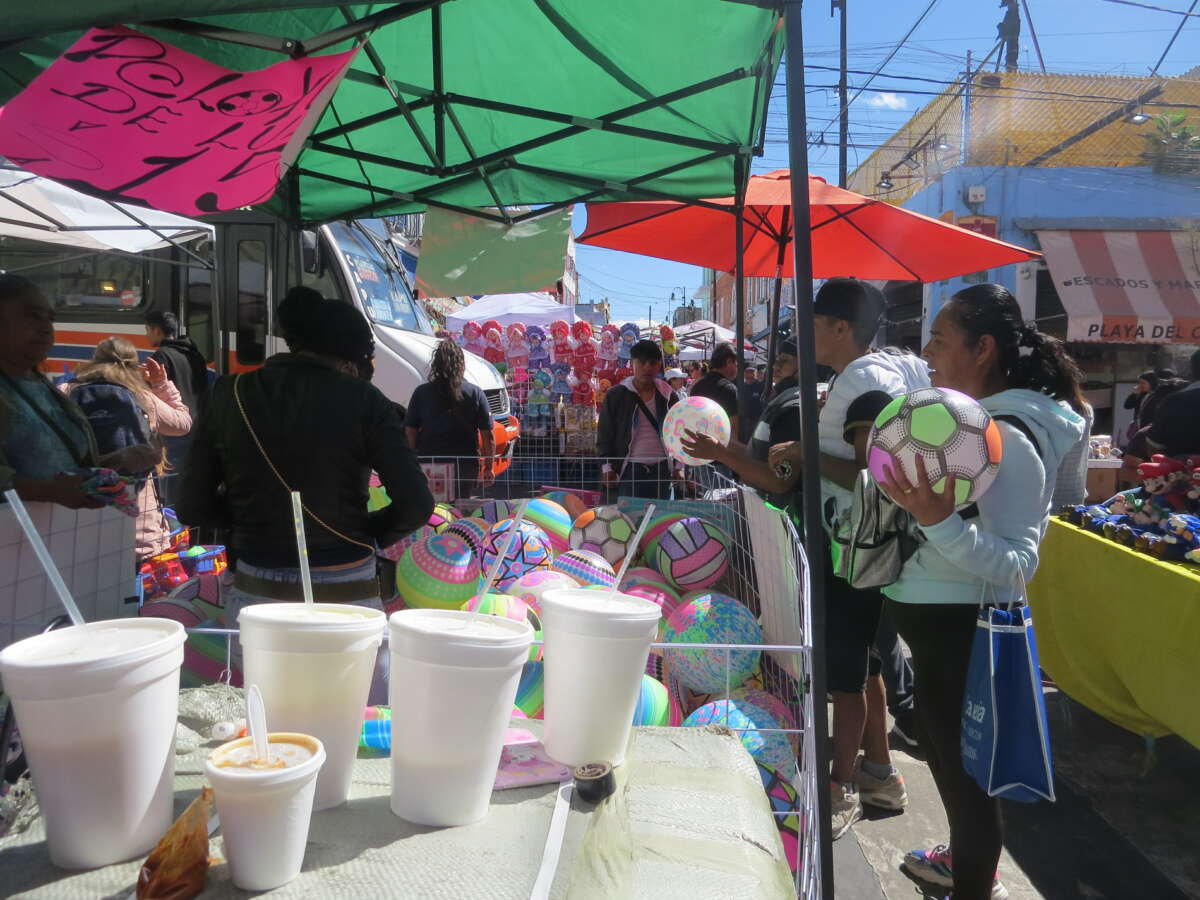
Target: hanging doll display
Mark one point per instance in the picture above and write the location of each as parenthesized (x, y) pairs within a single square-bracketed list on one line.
[(493, 348), (584, 351), (630, 334), (606, 356), (518, 347), (539, 353), (560, 386), (472, 338), (537, 404), (560, 334)]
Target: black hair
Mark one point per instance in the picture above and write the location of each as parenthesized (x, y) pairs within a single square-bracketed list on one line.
[(17, 287), (723, 354), (1166, 373), (646, 351), (1027, 357), (857, 302), (1194, 365), (1150, 377), (164, 321), (327, 327)]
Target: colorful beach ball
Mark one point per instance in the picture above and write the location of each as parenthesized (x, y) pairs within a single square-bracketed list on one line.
[(950, 431), (572, 503), (693, 554), (493, 511), (442, 516), (585, 567), (659, 594), (785, 808), (655, 705), (711, 618), (642, 575), (654, 531), (753, 725), (471, 529), (552, 519), (604, 530), (506, 606), (779, 710), (437, 572), (531, 550), (699, 415), (532, 585), (531, 690)]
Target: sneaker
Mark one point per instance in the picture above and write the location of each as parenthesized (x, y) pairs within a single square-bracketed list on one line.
[(934, 866), (844, 807), (886, 793), (903, 728)]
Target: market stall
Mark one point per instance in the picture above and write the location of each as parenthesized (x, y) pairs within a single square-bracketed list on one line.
[(1118, 630)]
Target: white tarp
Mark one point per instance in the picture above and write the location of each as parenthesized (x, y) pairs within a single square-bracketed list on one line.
[(38, 209), (528, 309)]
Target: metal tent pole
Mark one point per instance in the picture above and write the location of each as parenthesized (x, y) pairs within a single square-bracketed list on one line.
[(811, 478), (739, 273), (773, 335)]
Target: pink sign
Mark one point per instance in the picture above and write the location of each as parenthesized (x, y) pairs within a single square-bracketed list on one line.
[(124, 116)]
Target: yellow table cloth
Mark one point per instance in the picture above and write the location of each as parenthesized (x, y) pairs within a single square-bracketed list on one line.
[(1119, 631)]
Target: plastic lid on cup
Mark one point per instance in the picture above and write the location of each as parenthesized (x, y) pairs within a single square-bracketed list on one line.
[(454, 637), (600, 613), (310, 628)]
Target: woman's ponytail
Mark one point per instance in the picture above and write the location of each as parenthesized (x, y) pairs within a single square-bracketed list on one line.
[(1027, 358)]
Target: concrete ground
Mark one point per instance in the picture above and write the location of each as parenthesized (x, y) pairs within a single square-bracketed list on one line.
[(1126, 823)]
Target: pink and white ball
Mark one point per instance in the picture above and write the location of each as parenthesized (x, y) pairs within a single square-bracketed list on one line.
[(699, 415)]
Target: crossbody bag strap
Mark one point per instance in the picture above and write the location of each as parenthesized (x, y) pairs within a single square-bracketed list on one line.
[(267, 459), (82, 460)]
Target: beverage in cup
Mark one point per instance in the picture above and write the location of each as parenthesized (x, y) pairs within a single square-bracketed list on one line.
[(452, 685), (596, 645), (96, 705), (313, 664), (265, 806)]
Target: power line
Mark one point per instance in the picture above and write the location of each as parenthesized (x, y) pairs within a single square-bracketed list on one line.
[(845, 107), (1177, 12), (1171, 42)]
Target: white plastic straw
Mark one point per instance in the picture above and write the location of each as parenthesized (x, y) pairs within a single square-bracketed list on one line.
[(302, 547), (633, 546), (43, 556), (518, 518)]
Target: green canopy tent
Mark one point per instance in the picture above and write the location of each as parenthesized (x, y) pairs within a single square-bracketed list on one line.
[(478, 105), (481, 105)]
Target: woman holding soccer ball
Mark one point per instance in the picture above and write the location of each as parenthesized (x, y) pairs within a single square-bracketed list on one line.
[(981, 346)]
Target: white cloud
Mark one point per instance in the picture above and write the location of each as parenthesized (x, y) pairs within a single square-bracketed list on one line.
[(887, 100)]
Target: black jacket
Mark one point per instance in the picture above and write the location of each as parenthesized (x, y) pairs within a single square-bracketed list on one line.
[(1176, 423), (614, 432), (324, 431), (186, 367)]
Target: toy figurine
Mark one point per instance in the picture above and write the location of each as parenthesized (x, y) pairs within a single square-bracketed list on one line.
[(670, 347), (537, 406), (473, 338), (560, 335), (603, 386), (539, 353), (493, 350), (622, 373), (630, 334), (492, 323), (518, 347), (585, 350), (1166, 481), (518, 384), (560, 388), (607, 354), (583, 394)]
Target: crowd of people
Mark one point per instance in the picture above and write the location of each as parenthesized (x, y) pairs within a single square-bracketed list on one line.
[(311, 421)]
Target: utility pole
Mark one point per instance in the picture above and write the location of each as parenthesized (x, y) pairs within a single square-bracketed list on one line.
[(968, 79), (843, 96)]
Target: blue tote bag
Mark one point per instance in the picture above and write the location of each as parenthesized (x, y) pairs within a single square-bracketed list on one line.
[(1005, 735)]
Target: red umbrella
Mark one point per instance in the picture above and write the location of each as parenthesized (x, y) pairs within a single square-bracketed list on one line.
[(851, 235)]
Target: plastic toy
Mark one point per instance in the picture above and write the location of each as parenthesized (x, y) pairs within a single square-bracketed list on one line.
[(438, 572), (711, 618), (1166, 480), (531, 551), (603, 386), (604, 530), (518, 347), (560, 387), (630, 334), (758, 729), (699, 415), (493, 350), (553, 519), (585, 567), (670, 347), (539, 353), (473, 338), (560, 334), (606, 355), (537, 404), (583, 394), (692, 554)]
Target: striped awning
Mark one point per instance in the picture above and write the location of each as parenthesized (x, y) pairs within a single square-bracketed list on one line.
[(1127, 286)]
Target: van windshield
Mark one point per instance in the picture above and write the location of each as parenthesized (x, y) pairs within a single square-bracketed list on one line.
[(381, 288)]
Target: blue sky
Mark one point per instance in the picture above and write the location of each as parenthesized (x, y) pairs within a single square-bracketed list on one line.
[(1076, 36)]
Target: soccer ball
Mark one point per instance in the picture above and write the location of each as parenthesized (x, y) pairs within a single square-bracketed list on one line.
[(604, 530), (952, 433)]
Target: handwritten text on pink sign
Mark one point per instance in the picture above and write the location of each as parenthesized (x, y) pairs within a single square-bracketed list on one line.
[(130, 118)]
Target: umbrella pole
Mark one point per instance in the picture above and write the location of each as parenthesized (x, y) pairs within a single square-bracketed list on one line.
[(739, 278), (773, 335), (811, 476)]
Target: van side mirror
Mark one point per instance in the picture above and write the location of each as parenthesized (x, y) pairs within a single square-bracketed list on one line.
[(310, 252)]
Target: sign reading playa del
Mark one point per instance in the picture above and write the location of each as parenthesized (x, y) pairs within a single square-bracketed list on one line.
[(127, 117)]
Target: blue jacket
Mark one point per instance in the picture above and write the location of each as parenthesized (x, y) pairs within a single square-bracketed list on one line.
[(961, 560)]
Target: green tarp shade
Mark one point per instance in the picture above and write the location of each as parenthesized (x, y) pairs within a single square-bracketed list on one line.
[(495, 102)]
